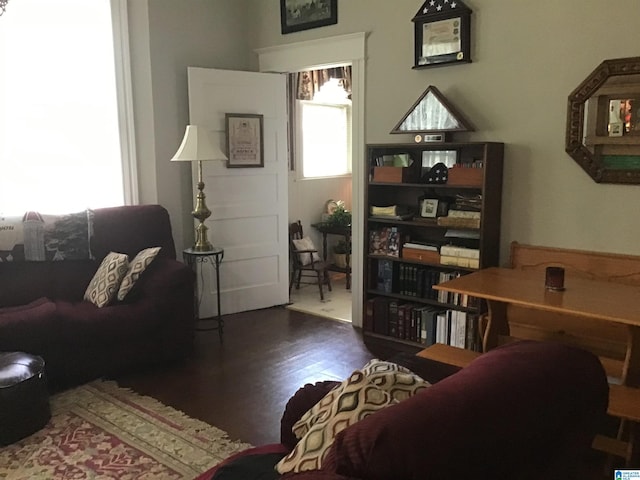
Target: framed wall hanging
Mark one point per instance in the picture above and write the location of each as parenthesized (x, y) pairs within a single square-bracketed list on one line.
[(297, 15), (244, 140), (442, 33)]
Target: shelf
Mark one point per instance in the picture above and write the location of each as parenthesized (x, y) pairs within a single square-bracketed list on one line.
[(437, 186), (427, 223), (426, 301), (425, 264), (393, 339)]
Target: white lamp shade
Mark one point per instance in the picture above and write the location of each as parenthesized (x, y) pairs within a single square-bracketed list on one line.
[(198, 144)]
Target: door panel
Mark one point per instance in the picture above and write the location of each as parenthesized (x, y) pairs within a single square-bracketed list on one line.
[(248, 205)]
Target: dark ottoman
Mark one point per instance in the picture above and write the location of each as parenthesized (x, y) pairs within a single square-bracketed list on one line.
[(24, 400)]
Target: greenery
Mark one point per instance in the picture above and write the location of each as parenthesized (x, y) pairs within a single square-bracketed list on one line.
[(342, 247), (341, 217)]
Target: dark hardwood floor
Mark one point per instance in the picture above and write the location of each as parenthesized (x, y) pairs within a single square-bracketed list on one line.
[(243, 384)]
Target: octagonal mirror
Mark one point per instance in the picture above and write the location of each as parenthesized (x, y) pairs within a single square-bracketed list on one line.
[(603, 122)]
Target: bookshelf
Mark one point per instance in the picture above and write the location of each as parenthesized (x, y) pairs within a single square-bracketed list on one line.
[(420, 232)]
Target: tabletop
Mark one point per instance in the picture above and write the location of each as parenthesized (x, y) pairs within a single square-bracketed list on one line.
[(603, 300)]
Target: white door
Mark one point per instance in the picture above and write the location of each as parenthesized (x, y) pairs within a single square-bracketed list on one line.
[(249, 205)]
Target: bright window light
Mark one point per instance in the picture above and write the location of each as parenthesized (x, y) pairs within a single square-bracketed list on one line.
[(325, 139), (59, 137)]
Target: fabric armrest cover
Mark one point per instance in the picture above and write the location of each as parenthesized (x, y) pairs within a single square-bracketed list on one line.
[(512, 409)]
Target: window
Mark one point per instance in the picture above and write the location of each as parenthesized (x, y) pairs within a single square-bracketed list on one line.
[(60, 140), (323, 125), (325, 131)]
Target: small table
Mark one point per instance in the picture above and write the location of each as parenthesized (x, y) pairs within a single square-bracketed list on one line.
[(214, 257), (326, 229)]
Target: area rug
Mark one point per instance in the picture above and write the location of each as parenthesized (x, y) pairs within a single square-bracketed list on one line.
[(101, 431)]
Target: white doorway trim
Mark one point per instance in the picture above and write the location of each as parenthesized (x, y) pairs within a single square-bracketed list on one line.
[(317, 54)]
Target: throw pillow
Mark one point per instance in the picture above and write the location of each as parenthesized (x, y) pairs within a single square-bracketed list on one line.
[(306, 244), (357, 399), (104, 285), (138, 265), (399, 382)]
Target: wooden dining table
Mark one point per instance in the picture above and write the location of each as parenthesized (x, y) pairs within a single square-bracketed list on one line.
[(600, 300)]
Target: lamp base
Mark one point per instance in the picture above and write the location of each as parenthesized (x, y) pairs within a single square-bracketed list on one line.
[(202, 244)]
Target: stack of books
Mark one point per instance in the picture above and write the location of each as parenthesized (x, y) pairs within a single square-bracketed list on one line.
[(460, 256)]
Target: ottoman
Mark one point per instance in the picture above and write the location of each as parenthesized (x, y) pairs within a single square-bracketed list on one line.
[(24, 399)]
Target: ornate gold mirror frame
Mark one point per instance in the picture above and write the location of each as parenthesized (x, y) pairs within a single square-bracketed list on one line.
[(603, 122)]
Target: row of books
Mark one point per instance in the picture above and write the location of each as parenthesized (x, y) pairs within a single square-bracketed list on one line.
[(418, 281), (451, 298), (421, 323)]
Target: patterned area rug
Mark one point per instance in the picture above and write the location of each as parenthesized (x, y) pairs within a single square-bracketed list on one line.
[(101, 431)]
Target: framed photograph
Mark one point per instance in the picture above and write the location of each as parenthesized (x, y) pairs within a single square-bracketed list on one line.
[(297, 15), (429, 207), (442, 34), (244, 140)]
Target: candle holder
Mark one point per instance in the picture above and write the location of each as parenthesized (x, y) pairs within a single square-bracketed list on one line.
[(554, 279)]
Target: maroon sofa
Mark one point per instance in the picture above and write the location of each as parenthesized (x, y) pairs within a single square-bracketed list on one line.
[(528, 410), (42, 310)]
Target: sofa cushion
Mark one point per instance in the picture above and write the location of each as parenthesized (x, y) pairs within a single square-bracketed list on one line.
[(104, 285), (28, 328), (136, 267), (515, 406), (355, 399)]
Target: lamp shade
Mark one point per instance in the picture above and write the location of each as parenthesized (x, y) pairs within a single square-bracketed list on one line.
[(198, 144)]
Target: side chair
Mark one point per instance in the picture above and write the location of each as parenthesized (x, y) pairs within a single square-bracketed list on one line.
[(305, 261)]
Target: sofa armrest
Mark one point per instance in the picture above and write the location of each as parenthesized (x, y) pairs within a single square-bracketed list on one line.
[(301, 401)]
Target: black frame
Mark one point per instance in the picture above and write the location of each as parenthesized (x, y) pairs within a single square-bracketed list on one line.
[(439, 11), (318, 18)]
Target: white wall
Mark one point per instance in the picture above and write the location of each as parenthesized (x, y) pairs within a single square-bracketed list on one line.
[(307, 199), (527, 58), (167, 36)]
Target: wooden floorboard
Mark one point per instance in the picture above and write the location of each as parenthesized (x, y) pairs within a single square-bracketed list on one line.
[(243, 384)]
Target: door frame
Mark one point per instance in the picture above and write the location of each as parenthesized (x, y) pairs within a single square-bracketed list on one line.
[(318, 54)]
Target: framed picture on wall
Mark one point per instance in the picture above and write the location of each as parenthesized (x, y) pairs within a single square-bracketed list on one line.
[(297, 15), (244, 140)]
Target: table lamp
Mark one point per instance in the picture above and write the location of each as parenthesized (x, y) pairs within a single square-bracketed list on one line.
[(198, 145)]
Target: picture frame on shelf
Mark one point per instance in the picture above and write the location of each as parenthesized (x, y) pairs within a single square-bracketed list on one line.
[(298, 15), (429, 207), (245, 140)]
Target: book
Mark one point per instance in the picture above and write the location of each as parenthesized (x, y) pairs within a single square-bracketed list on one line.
[(420, 246), (455, 251)]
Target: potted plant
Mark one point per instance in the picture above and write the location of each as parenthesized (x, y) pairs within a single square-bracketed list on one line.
[(341, 217), (340, 251)]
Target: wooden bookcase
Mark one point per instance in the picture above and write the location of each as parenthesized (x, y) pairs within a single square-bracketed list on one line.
[(397, 294)]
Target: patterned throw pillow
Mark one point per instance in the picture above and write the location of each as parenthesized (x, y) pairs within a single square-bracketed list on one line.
[(399, 382), (104, 285), (136, 267), (306, 244), (357, 399)]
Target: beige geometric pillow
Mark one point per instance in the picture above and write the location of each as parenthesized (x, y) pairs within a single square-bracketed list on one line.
[(136, 267), (104, 285), (398, 381), (318, 412), (357, 399)]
